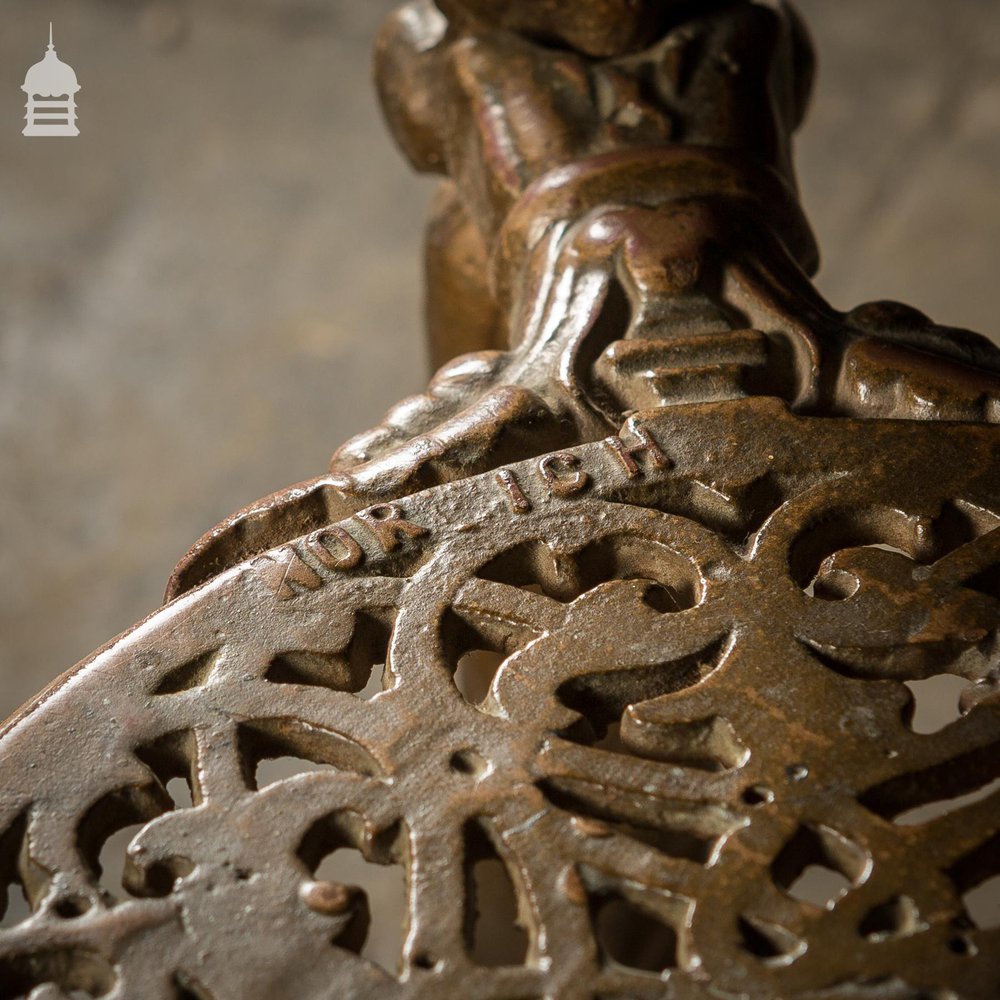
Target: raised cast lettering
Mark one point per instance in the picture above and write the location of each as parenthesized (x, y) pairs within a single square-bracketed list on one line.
[(389, 526), (507, 481), (284, 571), (563, 475), (628, 454), (327, 543)]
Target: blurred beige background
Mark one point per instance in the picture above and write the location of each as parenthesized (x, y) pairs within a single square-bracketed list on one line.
[(218, 281)]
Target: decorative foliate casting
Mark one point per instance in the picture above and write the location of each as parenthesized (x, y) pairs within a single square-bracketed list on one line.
[(635, 610)]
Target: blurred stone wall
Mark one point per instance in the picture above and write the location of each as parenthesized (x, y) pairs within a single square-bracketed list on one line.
[(218, 281)]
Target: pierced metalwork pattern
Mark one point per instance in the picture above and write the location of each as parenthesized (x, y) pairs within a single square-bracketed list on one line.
[(613, 645), (699, 696)]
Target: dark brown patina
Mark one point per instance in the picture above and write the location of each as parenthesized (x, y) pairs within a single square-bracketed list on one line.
[(635, 604)]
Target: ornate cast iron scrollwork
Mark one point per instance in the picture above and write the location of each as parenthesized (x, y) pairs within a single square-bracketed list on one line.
[(635, 603)]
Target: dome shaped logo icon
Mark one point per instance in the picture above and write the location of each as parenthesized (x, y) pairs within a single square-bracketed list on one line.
[(51, 86)]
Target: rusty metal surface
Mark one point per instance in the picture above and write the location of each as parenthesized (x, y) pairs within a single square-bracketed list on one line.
[(635, 606)]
